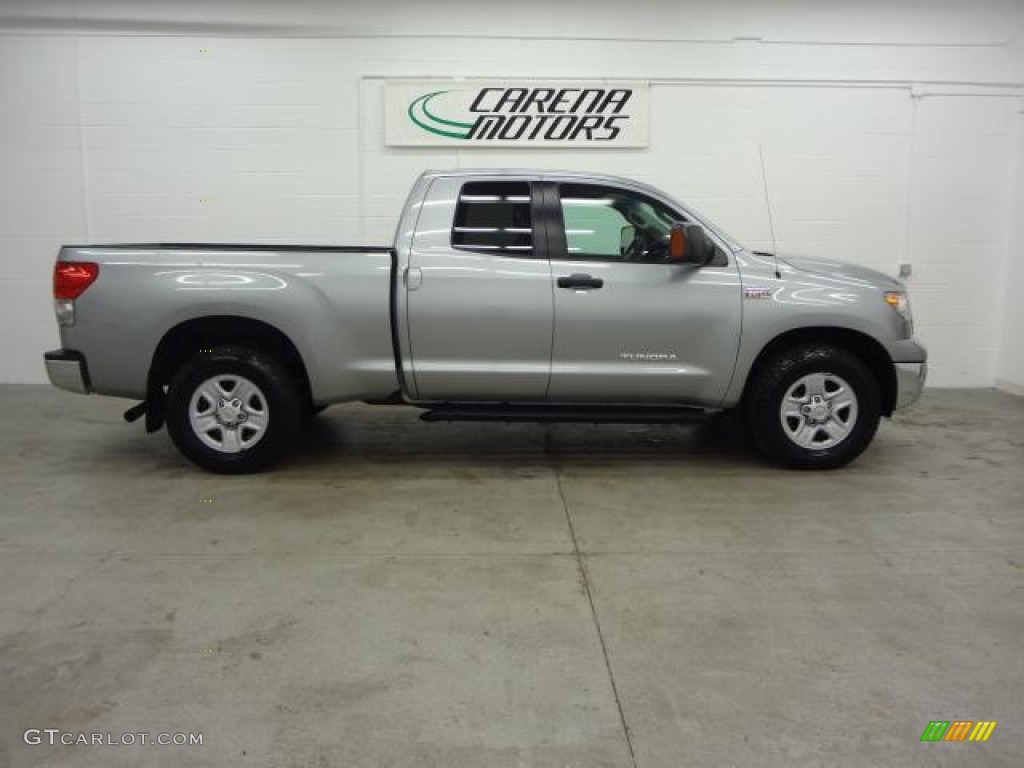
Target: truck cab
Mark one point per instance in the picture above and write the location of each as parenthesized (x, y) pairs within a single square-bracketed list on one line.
[(528, 287)]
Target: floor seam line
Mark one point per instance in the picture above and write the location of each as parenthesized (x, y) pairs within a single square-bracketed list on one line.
[(581, 566)]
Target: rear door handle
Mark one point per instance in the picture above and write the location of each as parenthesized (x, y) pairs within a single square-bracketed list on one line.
[(580, 281)]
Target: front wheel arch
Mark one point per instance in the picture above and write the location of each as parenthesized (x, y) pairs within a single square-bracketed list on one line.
[(861, 345)]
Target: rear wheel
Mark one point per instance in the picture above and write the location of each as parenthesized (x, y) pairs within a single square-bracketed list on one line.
[(813, 406), (233, 409)]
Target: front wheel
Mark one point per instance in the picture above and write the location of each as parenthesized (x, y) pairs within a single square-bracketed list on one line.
[(233, 410), (813, 406)]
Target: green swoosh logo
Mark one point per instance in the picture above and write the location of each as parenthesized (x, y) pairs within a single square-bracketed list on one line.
[(428, 121)]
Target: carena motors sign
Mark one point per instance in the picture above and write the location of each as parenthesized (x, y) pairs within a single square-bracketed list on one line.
[(513, 113)]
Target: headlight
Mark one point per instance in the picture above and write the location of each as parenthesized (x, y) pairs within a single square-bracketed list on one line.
[(899, 301)]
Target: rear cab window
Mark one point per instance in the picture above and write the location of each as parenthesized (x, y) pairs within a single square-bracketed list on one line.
[(494, 217)]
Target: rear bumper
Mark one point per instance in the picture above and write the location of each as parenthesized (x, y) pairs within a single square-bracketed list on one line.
[(910, 378), (68, 370)]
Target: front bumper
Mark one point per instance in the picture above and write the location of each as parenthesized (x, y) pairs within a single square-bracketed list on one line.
[(67, 369), (910, 378)]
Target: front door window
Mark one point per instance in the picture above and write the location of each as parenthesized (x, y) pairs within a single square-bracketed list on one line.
[(613, 224)]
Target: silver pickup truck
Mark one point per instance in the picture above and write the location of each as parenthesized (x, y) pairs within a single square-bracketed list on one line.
[(507, 295)]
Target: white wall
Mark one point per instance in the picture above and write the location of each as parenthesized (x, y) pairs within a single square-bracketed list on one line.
[(1010, 357), (1009, 368), (890, 132)]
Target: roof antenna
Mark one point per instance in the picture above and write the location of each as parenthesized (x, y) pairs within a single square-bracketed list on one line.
[(768, 205)]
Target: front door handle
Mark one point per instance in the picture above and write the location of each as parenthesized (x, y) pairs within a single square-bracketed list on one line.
[(580, 281)]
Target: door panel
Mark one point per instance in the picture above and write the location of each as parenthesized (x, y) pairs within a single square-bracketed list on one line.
[(480, 313), (653, 331)]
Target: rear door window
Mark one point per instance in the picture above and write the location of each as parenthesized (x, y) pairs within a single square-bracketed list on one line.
[(494, 217)]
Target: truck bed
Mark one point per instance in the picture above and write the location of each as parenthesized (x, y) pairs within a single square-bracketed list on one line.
[(336, 311)]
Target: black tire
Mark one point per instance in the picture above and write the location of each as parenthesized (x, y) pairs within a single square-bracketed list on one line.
[(770, 432), (279, 412), (310, 411)]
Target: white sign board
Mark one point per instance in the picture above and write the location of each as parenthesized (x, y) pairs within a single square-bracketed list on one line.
[(515, 113)]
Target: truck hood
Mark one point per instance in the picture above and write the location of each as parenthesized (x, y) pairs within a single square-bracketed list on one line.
[(842, 271)]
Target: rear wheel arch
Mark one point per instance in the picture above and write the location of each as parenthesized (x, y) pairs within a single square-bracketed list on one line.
[(184, 340), (863, 346)]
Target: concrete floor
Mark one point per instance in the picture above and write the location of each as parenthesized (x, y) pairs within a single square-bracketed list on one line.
[(405, 594)]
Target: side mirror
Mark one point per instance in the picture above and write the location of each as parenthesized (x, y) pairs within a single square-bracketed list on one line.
[(689, 244)]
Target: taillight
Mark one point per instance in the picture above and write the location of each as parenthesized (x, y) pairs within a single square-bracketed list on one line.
[(70, 278)]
